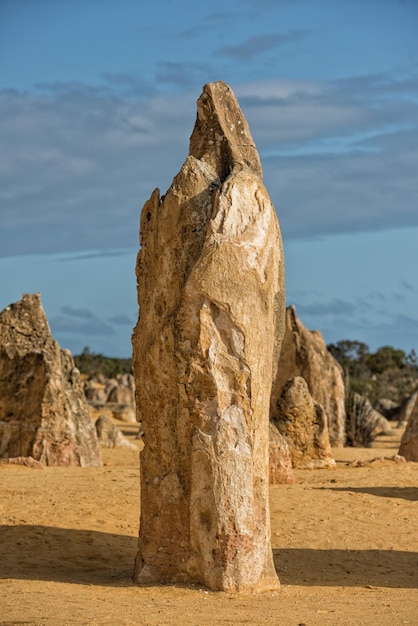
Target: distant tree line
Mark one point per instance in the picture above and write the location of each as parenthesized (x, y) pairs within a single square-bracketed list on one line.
[(388, 372), (92, 364)]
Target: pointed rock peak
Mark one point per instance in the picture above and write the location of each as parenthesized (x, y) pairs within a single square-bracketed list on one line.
[(221, 136), (291, 317), (43, 410), (304, 353), (22, 321)]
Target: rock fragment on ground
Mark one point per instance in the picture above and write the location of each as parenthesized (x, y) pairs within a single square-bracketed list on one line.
[(27, 461)]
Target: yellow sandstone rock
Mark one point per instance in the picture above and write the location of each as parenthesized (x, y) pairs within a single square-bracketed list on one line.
[(211, 295)]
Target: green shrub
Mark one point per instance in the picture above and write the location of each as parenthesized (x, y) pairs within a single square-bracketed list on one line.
[(361, 420), (386, 373), (92, 364)]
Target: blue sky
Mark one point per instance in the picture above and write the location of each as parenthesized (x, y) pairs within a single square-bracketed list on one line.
[(97, 104)]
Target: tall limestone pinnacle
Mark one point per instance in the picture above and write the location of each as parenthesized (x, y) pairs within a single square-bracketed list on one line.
[(210, 275)]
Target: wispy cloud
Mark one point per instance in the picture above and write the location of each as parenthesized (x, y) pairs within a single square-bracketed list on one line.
[(121, 320), (79, 313), (407, 286), (254, 46), (402, 330), (367, 317), (334, 307), (181, 74), (214, 20), (80, 327), (78, 161), (94, 254), (268, 4), (77, 166)]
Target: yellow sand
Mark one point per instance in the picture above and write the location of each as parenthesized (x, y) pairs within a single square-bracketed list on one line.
[(345, 544)]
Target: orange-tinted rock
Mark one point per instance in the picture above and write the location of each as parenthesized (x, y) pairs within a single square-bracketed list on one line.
[(406, 409), (280, 462), (43, 410), (110, 436), (303, 423), (305, 354), (409, 441)]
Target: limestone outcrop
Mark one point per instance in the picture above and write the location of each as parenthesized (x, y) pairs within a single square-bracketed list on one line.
[(387, 407), (303, 424), (409, 441), (43, 410), (363, 423), (110, 436), (115, 395), (27, 461), (406, 409), (205, 350), (95, 390), (121, 390), (280, 461), (305, 354)]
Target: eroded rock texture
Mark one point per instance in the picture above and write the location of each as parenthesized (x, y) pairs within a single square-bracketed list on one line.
[(110, 436), (43, 410), (303, 423), (409, 441), (305, 354), (116, 395), (211, 296), (406, 409), (280, 461)]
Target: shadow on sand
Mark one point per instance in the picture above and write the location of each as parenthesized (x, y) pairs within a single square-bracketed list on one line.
[(66, 555), (403, 493), (106, 559), (347, 568)]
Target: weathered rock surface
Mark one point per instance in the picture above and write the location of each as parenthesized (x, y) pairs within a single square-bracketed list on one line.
[(386, 407), (211, 296), (383, 426), (114, 394), (120, 395), (305, 354), (110, 436), (303, 423), (95, 391), (363, 422), (43, 410), (28, 461), (409, 441), (123, 413), (378, 422), (406, 409), (119, 390), (280, 462)]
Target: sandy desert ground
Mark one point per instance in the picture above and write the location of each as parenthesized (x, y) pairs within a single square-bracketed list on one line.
[(345, 545)]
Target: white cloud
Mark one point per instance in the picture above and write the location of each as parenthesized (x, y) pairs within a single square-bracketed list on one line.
[(76, 168), (258, 44), (79, 161), (334, 307)]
